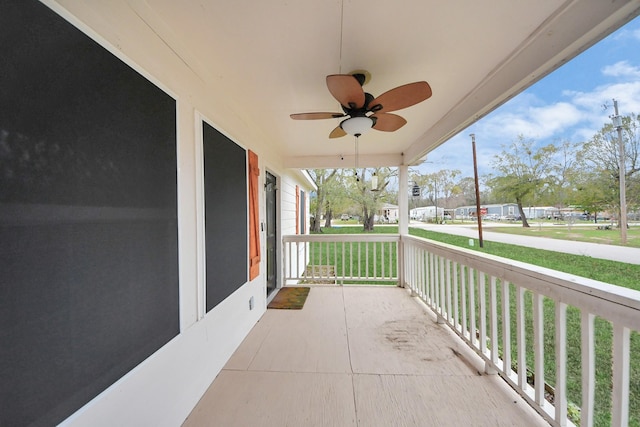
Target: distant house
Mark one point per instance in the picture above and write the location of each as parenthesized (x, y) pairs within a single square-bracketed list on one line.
[(494, 211), (388, 213), (498, 211), (539, 212), (426, 213)]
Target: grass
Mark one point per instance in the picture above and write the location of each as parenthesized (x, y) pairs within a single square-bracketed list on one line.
[(330, 254), (618, 273), (581, 233), (626, 275)]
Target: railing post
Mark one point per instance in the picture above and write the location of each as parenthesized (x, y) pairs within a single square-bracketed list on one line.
[(401, 265)]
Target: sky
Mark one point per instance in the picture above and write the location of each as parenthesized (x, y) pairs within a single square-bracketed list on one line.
[(568, 104)]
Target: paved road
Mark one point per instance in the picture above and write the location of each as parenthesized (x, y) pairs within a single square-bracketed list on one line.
[(595, 250)]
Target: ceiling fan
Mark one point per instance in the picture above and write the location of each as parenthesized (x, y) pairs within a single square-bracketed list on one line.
[(363, 110)]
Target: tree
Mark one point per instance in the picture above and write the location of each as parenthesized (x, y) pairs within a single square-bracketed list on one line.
[(600, 156), (464, 192), (439, 187), (523, 169), (360, 191), (561, 189), (594, 192), (322, 178)]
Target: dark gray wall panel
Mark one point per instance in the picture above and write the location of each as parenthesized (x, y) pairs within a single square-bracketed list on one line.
[(225, 188), (88, 223)]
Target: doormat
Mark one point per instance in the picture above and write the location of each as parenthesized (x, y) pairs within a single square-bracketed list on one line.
[(292, 298)]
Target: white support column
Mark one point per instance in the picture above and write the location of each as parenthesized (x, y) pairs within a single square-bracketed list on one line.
[(403, 219), (403, 199)]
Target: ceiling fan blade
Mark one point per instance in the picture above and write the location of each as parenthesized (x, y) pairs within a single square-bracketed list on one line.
[(315, 116), (337, 133), (346, 89), (401, 97), (388, 122)]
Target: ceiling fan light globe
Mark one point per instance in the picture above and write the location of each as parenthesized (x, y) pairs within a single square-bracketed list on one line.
[(357, 125)]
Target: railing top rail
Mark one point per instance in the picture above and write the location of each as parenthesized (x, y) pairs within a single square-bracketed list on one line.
[(341, 238), (574, 290)]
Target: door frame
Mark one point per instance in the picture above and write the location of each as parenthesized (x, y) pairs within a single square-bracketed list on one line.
[(278, 234)]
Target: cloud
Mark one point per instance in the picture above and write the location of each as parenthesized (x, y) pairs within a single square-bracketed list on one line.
[(622, 69), (597, 105), (538, 122), (626, 34)]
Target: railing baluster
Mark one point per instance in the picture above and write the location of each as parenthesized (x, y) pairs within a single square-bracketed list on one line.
[(391, 252), (442, 301), (588, 369), (413, 273), (472, 309), (463, 299), (560, 395), (328, 260), (435, 293), (620, 395), (432, 280), (482, 296), (521, 338), (538, 347), (456, 303), (421, 266), (424, 267), (305, 257), (344, 262), (417, 271), (297, 257), (315, 253), (382, 260), (335, 262), (493, 320), (448, 280), (366, 256), (351, 260), (506, 328), (288, 260), (360, 260), (375, 259)]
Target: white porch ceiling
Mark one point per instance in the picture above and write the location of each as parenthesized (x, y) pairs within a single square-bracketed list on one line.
[(269, 58)]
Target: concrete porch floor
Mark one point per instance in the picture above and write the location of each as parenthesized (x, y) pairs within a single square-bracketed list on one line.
[(357, 356)]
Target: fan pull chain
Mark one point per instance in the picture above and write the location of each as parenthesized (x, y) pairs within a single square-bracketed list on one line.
[(356, 156)]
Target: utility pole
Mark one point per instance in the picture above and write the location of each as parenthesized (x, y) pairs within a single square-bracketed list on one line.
[(622, 221), (475, 174)]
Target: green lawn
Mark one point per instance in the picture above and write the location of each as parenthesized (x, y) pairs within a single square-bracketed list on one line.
[(582, 233), (621, 274)]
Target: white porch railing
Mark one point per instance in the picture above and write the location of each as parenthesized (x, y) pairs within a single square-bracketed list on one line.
[(340, 258), (497, 306), (478, 295)]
